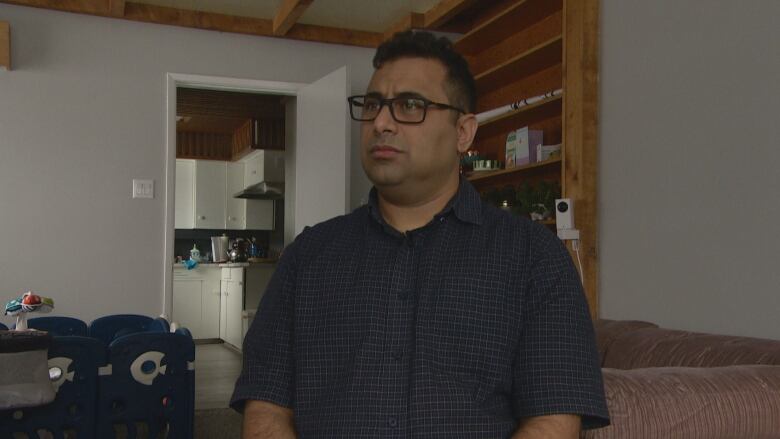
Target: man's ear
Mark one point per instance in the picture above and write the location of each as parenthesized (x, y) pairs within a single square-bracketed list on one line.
[(467, 128)]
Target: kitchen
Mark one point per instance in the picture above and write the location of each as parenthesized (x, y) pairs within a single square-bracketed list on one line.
[(229, 212)]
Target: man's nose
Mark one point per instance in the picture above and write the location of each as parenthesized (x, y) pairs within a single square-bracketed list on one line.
[(384, 120)]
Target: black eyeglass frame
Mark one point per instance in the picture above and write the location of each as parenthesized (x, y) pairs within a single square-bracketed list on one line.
[(389, 102)]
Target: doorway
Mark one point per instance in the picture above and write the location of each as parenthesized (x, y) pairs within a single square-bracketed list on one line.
[(316, 153)]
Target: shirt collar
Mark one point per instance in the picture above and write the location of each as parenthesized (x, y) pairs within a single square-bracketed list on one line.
[(466, 204)]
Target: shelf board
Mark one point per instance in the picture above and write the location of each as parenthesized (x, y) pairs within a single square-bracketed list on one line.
[(505, 24), (485, 175), (524, 111), (537, 58)]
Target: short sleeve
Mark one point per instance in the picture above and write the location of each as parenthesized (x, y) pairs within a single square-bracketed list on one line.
[(556, 369), (268, 367)]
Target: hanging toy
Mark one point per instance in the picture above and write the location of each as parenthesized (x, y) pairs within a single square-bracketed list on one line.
[(27, 303)]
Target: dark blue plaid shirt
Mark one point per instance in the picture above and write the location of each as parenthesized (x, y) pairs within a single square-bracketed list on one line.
[(456, 329)]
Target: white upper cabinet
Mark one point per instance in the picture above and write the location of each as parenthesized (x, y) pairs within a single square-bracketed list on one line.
[(210, 194), (204, 198), (264, 165), (236, 207), (184, 217)]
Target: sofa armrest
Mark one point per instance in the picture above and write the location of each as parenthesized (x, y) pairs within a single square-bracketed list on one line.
[(692, 403)]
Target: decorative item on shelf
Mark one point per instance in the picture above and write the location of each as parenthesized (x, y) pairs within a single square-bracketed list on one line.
[(535, 201), (467, 160), (486, 165), (500, 111), (521, 146), (547, 152), (538, 201)]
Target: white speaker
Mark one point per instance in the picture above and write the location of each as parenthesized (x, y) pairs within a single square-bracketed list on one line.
[(564, 213)]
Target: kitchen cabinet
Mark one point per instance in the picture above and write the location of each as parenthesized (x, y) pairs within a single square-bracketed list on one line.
[(200, 194), (236, 207), (196, 300), (264, 165), (184, 217), (231, 306), (210, 194), (204, 198)]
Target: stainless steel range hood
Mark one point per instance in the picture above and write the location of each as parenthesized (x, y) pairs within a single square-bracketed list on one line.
[(262, 191)]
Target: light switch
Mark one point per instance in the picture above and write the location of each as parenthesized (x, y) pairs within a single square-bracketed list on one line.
[(143, 188)]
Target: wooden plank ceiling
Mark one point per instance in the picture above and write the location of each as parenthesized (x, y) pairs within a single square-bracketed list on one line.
[(363, 23)]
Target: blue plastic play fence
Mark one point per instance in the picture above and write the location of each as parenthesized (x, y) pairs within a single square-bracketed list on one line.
[(132, 381)]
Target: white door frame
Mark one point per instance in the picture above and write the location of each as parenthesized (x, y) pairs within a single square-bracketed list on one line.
[(175, 80)]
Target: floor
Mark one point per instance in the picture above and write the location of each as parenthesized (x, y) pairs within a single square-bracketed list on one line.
[(217, 367)]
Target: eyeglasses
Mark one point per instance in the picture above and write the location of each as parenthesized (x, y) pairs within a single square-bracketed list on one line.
[(404, 109)]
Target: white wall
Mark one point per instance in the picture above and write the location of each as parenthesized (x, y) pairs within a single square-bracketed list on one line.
[(690, 151), (81, 115)]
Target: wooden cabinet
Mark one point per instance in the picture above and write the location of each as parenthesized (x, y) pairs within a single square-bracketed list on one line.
[(526, 48), (196, 300), (204, 198), (230, 323)]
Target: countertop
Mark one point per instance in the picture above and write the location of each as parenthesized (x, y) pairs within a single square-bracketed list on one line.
[(263, 263)]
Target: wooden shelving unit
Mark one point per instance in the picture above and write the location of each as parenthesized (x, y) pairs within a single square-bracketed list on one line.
[(478, 176), (539, 57), (521, 14), (5, 45), (525, 48)]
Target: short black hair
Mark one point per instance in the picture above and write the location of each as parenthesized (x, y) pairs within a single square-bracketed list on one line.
[(460, 87)]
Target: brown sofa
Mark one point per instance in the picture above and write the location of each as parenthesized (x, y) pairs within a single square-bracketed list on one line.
[(663, 383)]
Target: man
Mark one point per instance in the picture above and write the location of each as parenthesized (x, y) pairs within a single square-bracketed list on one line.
[(426, 313)]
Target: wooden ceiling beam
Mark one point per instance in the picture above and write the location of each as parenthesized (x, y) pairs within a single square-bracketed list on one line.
[(90, 7), (116, 8), (410, 21), (209, 21), (289, 12), (444, 11)]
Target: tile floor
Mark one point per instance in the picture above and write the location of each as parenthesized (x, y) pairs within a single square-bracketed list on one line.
[(216, 369)]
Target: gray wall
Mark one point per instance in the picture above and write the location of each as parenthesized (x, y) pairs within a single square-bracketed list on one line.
[(81, 115), (690, 150)]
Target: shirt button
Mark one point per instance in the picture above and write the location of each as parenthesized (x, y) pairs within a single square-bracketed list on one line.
[(397, 355), (393, 422), (441, 220)]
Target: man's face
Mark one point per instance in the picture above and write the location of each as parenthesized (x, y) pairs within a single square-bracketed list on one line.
[(421, 156)]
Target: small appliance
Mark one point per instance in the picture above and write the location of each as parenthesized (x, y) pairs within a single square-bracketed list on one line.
[(219, 248)]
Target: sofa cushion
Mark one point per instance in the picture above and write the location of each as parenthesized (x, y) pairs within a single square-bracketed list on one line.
[(607, 331), (657, 347), (692, 403)]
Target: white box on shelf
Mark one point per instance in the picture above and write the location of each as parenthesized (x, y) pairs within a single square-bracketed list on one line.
[(547, 152), (521, 146)]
